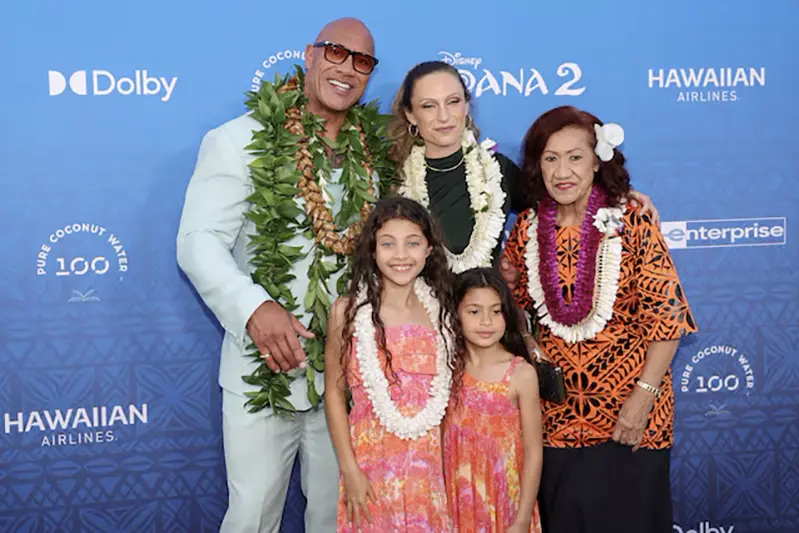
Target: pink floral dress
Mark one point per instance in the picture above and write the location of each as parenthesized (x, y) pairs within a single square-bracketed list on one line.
[(406, 475), (484, 453)]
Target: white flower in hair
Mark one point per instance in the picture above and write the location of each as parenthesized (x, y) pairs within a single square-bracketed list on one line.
[(608, 137)]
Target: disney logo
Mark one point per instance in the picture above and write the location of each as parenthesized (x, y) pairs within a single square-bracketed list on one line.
[(459, 59)]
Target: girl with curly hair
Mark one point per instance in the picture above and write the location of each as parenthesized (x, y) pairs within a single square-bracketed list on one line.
[(389, 343)]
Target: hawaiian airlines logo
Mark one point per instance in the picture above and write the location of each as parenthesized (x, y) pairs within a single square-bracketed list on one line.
[(564, 81), (103, 83), (76, 425), (707, 84)]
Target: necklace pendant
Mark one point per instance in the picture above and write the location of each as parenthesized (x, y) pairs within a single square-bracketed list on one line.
[(442, 170)]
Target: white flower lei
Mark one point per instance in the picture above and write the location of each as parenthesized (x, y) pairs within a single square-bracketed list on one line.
[(606, 282), (375, 381), (484, 183)]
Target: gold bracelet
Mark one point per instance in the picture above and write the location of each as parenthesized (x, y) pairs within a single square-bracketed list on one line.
[(649, 388)]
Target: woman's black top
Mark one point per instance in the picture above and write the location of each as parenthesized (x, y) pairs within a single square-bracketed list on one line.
[(450, 203)]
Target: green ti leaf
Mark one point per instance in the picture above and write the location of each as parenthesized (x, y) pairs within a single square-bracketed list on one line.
[(279, 218)]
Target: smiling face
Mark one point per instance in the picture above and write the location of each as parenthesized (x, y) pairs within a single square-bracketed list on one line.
[(439, 109), (401, 250), (336, 87), (568, 165)]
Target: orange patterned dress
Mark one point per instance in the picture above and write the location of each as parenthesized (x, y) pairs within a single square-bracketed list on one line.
[(406, 475), (484, 454), (600, 373)]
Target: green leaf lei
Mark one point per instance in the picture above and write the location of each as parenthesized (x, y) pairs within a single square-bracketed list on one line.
[(278, 216)]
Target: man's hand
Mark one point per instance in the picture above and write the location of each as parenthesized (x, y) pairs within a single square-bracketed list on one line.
[(274, 332)]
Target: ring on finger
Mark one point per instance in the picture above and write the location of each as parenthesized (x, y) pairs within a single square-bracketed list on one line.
[(266, 356)]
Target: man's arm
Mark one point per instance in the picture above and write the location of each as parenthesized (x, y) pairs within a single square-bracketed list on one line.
[(213, 215)]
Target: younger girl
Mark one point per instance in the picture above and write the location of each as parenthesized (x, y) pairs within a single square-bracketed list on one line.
[(492, 433), (389, 342)]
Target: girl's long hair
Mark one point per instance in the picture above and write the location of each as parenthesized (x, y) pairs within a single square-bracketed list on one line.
[(512, 341), (366, 274)]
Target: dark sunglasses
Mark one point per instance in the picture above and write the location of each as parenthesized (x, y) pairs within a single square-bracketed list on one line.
[(335, 53)]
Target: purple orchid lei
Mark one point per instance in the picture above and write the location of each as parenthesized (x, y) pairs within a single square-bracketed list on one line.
[(578, 309)]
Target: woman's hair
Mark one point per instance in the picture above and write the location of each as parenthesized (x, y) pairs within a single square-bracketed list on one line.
[(612, 175), (365, 273), (401, 140), (512, 341)]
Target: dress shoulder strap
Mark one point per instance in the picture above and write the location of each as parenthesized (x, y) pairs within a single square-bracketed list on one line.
[(512, 369)]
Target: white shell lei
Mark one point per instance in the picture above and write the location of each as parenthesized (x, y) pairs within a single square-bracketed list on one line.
[(606, 282), (377, 386), (484, 183)]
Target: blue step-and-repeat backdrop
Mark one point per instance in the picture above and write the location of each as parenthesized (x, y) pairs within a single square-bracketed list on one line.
[(109, 406)]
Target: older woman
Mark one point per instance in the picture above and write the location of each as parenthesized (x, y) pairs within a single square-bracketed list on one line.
[(610, 310), (468, 186)]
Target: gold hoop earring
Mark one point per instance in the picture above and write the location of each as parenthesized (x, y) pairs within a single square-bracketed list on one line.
[(413, 130)]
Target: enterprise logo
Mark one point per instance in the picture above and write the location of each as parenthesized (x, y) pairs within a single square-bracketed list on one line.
[(725, 232)]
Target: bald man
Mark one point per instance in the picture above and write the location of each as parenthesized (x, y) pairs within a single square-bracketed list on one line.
[(212, 249)]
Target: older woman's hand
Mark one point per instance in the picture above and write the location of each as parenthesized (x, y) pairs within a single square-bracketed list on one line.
[(633, 418)]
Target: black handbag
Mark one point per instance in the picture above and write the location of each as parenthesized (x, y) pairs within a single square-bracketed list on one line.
[(551, 384)]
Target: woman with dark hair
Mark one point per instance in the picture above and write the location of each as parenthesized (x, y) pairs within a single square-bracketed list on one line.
[(468, 186), (610, 310)]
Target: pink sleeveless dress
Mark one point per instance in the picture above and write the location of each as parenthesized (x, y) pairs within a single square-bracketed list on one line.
[(406, 475), (484, 453)]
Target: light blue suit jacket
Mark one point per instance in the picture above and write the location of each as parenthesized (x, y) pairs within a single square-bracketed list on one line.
[(212, 249)]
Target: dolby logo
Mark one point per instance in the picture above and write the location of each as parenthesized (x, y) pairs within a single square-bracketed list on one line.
[(102, 83)]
